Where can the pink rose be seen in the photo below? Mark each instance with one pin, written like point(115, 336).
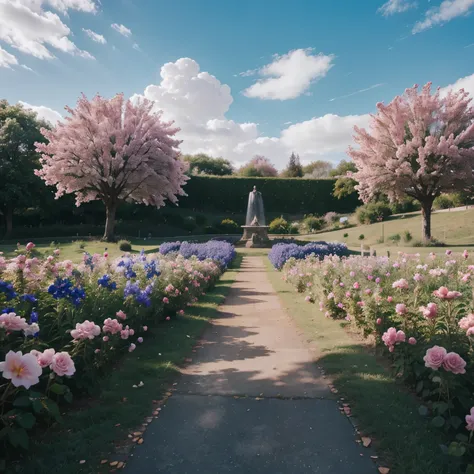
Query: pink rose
point(106, 254)
point(96, 351)
point(105, 338)
point(167, 318)
point(121, 315)
point(140, 340)
point(62, 364)
point(181, 312)
point(454, 363)
point(389, 337)
point(449, 252)
point(377, 280)
point(402, 284)
point(145, 328)
point(22, 369)
point(379, 321)
point(470, 420)
point(412, 341)
point(401, 308)
point(430, 311)
point(132, 347)
point(86, 330)
point(389, 299)
point(356, 286)
point(11, 322)
point(112, 326)
point(444, 294)
point(400, 336)
point(30, 246)
point(44, 358)
point(166, 300)
point(466, 322)
point(434, 357)
point(465, 254)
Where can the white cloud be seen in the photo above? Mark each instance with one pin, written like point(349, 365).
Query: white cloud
point(136, 47)
point(88, 6)
point(94, 36)
point(447, 11)
point(466, 83)
point(290, 75)
point(248, 73)
point(198, 103)
point(123, 30)
point(6, 59)
point(356, 92)
point(27, 68)
point(43, 112)
point(29, 29)
point(396, 6)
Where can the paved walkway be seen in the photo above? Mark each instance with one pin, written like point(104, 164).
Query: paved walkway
point(252, 400)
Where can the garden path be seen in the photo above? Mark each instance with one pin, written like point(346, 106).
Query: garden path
point(252, 400)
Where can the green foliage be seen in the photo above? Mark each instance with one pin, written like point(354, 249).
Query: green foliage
point(125, 245)
point(280, 195)
point(317, 169)
point(361, 237)
point(207, 165)
point(279, 226)
point(395, 238)
point(429, 243)
point(228, 226)
point(447, 201)
point(373, 212)
point(294, 168)
point(294, 229)
point(346, 235)
point(312, 223)
point(407, 236)
point(189, 223)
point(201, 220)
point(344, 187)
point(343, 168)
point(407, 205)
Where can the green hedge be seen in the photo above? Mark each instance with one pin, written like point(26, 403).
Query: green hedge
point(286, 195)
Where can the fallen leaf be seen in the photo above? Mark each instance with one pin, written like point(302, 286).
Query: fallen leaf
point(134, 440)
point(120, 465)
point(347, 411)
point(104, 461)
point(140, 441)
point(149, 420)
point(374, 457)
point(137, 433)
point(168, 394)
point(384, 470)
point(156, 412)
point(114, 463)
point(366, 441)
point(82, 461)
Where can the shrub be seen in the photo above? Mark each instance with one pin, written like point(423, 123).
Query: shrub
point(407, 236)
point(228, 226)
point(189, 223)
point(279, 226)
point(210, 229)
point(372, 212)
point(125, 245)
point(407, 205)
point(429, 243)
point(346, 235)
point(312, 223)
point(395, 238)
point(294, 229)
point(330, 217)
point(82, 245)
point(361, 237)
point(447, 201)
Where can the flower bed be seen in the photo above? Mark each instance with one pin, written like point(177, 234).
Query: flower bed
point(63, 325)
point(220, 251)
point(280, 253)
point(420, 313)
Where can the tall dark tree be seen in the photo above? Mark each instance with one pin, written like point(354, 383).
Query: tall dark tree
point(19, 130)
point(205, 164)
point(294, 168)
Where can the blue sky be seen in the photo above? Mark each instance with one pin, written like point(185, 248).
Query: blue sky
point(295, 55)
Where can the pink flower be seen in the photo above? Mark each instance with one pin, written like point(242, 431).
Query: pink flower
point(96, 351)
point(167, 318)
point(387, 274)
point(348, 294)
point(454, 363)
point(106, 254)
point(309, 284)
point(370, 277)
point(470, 332)
point(307, 299)
point(186, 289)
point(430, 311)
point(389, 299)
point(401, 308)
point(125, 333)
point(402, 284)
point(379, 321)
point(145, 328)
point(368, 291)
point(166, 300)
point(466, 322)
point(140, 340)
point(377, 280)
point(389, 337)
point(57, 252)
point(401, 336)
point(418, 277)
point(181, 312)
point(356, 286)
point(444, 294)
point(105, 338)
point(132, 347)
point(44, 358)
point(412, 341)
point(341, 284)
point(434, 357)
point(86, 330)
point(121, 315)
point(360, 303)
point(22, 370)
point(470, 420)
point(112, 326)
point(30, 246)
point(465, 277)
point(449, 252)
point(62, 364)
point(465, 254)
point(12, 322)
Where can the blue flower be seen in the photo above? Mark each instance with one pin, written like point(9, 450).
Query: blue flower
point(29, 298)
point(34, 317)
point(7, 289)
point(8, 309)
point(105, 282)
point(63, 288)
point(151, 270)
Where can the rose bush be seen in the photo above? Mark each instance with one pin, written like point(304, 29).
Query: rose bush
point(63, 325)
point(419, 312)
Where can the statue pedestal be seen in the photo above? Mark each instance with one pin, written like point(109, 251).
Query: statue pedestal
point(255, 236)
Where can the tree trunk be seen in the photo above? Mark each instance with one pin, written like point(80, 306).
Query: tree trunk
point(8, 213)
point(426, 207)
point(109, 235)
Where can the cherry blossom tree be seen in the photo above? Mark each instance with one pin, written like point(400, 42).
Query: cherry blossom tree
point(113, 150)
point(420, 144)
point(259, 166)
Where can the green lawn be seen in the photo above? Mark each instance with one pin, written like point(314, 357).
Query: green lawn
point(98, 428)
point(385, 410)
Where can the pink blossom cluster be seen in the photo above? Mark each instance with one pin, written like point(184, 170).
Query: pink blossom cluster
point(86, 330)
point(438, 356)
point(392, 337)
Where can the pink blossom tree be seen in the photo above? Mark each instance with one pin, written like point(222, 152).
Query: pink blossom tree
point(420, 144)
point(259, 166)
point(113, 151)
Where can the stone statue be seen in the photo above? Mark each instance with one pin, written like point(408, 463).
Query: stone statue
point(255, 212)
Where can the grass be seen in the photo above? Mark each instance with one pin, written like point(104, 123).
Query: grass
point(93, 432)
point(385, 409)
point(455, 228)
